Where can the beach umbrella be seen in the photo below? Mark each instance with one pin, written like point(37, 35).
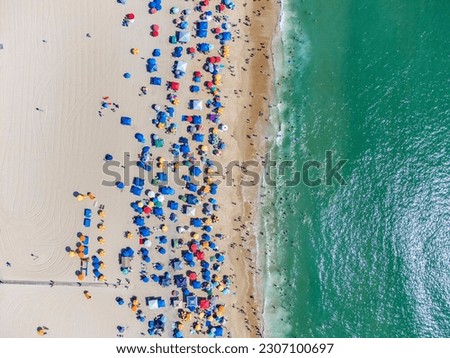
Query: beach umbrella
point(135, 51)
point(140, 137)
point(144, 279)
point(159, 266)
point(146, 258)
point(108, 157)
point(155, 27)
point(162, 250)
point(192, 276)
point(120, 185)
point(81, 277)
point(164, 228)
point(130, 16)
point(127, 75)
point(155, 33)
point(147, 243)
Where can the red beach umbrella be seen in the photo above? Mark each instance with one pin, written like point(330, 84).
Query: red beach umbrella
point(147, 210)
point(206, 2)
point(221, 7)
point(212, 60)
point(130, 16)
point(191, 50)
point(217, 30)
point(209, 84)
point(192, 276)
point(197, 74)
point(200, 255)
point(204, 304)
point(194, 249)
point(152, 10)
point(155, 33)
point(189, 119)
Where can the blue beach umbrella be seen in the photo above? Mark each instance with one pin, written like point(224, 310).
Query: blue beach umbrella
point(127, 75)
point(140, 137)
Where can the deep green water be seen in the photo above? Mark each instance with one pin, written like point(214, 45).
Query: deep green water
point(369, 80)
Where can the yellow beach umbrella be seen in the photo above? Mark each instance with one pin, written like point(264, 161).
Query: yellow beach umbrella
point(164, 228)
point(101, 252)
point(72, 253)
point(82, 237)
point(197, 327)
point(141, 204)
point(101, 213)
point(135, 51)
point(129, 235)
point(134, 308)
point(80, 197)
point(101, 240)
point(81, 277)
point(80, 255)
point(102, 265)
point(196, 236)
point(201, 315)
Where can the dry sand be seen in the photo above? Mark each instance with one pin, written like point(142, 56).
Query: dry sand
point(49, 63)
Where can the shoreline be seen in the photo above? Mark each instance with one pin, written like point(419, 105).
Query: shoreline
point(258, 82)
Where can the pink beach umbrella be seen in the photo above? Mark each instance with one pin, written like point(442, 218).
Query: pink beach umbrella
point(155, 27)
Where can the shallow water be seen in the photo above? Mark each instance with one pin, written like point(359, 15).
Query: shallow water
point(369, 81)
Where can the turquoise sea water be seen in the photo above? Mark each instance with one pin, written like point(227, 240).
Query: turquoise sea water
point(369, 80)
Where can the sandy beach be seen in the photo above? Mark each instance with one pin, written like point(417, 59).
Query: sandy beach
point(61, 62)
